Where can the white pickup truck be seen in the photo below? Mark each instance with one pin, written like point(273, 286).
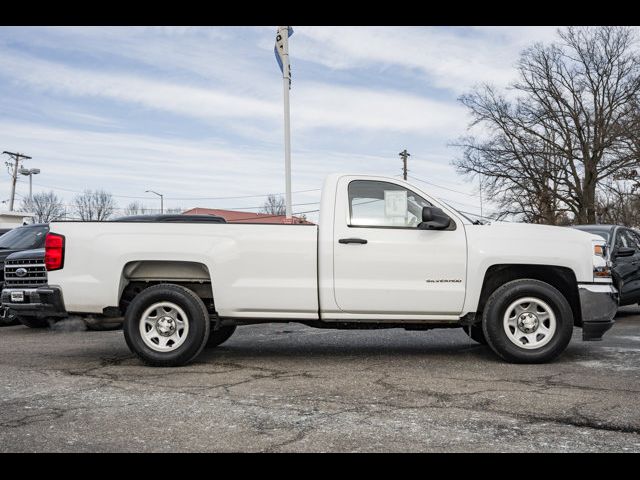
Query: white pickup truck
point(385, 255)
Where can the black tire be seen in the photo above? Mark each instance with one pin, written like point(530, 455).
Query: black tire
point(8, 317)
point(219, 336)
point(496, 307)
point(198, 322)
point(34, 322)
point(475, 333)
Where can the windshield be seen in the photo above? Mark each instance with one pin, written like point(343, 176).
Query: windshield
point(24, 238)
point(601, 233)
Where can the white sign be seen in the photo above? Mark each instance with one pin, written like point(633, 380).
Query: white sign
point(395, 203)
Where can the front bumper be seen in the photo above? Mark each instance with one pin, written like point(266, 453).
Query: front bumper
point(598, 304)
point(37, 302)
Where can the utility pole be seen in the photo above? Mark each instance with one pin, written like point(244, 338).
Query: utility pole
point(16, 157)
point(404, 154)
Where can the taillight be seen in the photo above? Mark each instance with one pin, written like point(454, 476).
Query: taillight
point(54, 251)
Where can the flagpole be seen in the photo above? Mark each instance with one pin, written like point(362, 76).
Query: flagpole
point(286, 82)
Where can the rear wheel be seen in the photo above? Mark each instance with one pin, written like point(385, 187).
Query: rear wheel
point(527, 321)
point(34, 322)
point(166, 325)
point(221, 335)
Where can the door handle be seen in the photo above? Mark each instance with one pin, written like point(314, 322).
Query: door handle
point(361, 241)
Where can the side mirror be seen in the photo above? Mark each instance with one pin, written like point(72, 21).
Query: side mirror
point(624, 252)
point(433, 218)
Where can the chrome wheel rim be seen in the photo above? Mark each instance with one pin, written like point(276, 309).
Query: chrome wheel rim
point(164, 326)
point(529, 323)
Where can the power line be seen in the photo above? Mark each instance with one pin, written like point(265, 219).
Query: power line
point(455, 201)
point(444, 188)
point(483, 216)
point(180, 198)
point(71, 205)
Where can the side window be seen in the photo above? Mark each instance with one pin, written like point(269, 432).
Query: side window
point(630, 239)
point(384, 204)
point(621, 241)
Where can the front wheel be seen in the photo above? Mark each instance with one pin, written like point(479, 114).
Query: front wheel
point(166, 325)
point(527, 321)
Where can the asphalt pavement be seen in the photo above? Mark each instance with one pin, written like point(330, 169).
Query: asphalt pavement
point(288, 387)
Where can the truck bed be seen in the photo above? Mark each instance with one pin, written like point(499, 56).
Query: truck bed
point(256, 271)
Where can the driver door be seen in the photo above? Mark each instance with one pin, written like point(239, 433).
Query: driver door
point(384, 264)
point(627, 269)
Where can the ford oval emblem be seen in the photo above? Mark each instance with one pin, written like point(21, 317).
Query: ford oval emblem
point(21, 272)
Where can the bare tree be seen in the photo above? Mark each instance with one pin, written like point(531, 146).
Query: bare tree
point(274, 205)
point(618, 203)
point(136, 208)
point(46, 206)
point(174, 210)
point(522, 182)
point(94, 206)
point(569, 125)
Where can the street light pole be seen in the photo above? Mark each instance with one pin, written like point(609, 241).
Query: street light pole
point(161, 199)
point(30, 172)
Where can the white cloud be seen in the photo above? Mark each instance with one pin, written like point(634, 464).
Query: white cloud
point(152, 93)
point(317, 105)
point(128, 164)
point(451, 58)
point(365, 93)
point(178, 52)
point(361, 108)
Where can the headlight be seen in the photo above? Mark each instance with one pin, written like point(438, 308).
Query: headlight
point(601, 266)
point(601, 272)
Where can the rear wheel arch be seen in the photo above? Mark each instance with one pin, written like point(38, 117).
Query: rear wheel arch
point(138, 275)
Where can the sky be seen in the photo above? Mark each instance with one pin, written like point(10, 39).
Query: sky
point(196, 113)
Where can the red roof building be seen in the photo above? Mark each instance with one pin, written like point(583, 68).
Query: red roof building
point(234, 216)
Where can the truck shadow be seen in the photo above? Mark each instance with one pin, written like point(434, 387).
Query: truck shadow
point(322, 352)
point(626, 312)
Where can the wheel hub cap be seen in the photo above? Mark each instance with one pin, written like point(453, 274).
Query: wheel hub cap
point(528, 322)
point(166, 326)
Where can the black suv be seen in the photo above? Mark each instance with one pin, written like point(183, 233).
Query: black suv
point(623, 250)
point(19, 239)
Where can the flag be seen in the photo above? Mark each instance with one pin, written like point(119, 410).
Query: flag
point(279, 52)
